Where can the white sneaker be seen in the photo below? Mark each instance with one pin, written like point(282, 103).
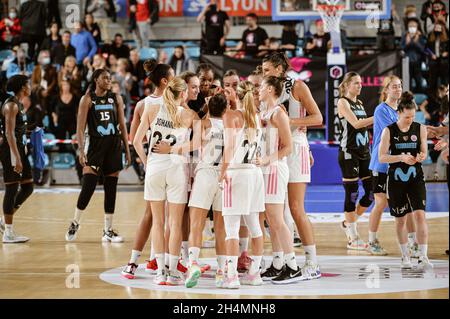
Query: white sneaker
point(414, 250)
point(374, 248)
point(356, 244)
point(220, 278)
point(2, 226)
point(311, 270)
point(12, 238)
point(72, 232)
point(424, 264)
point(175, 278)
point(160, 278)
point(112, 236)
point(345, 229)
point(252, 280)
point(231, 282)
point(406, 263)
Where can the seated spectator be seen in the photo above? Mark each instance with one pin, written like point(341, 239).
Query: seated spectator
point(20, 65)
point(10, 29)
point(432, 106)
point(118, 48)
point(98, 62)
point(178, 61)
point(163, 57)
point(136, 68)
point(111, 63)
point(70, 72)
point(320, 42)
point(44, 80)
point(101, 10)
point(63, 49)
point(84, 43)
point(437, 48)
point(125, 80)
point(253, 39)
point(64, 111)
point(289, 36)
point(52, 41)
point(93, 28)
point(413, 43)
point(386, 32)
point(432, 12)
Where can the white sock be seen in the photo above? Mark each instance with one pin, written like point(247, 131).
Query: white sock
point(221, 262)
point(160, 262)
point(232, 265)
point(310, 253)
point(412, 237)
point(185, 251)
point(243, 245)
point(108, 221)
point(173, 262)
point(77, 216)
point(289, 259)
point(372, 236)
point(404, 250)
point(135, 254)
point(352, 230)
point(167, 259)
point(8, 229)
point(194, 253)
point(152, 253)
point(278, 260)
point(255, 265)
point(423, 250)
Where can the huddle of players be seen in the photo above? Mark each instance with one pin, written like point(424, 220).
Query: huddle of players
point(249, 159)
point(392, 174)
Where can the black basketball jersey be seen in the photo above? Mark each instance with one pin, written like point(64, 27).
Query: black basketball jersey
point(405, 143)
point(102, 117)
point(351, 140)
point(21, 121)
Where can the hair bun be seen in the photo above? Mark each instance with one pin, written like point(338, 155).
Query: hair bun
point(407, 97)
point(150, 66)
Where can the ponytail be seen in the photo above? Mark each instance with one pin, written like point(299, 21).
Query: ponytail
point(171, 96)
point(245, 95)
point(345, 82)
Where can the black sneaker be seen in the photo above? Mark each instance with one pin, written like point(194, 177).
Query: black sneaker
point(270, 273)
point(72, 232)
point(288, 276)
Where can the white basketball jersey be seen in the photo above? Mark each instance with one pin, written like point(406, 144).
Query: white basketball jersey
point(270, 139)
point(247, 150)
point(294, 107)
point(211, 153)
point(150, 100)
point(163, 130)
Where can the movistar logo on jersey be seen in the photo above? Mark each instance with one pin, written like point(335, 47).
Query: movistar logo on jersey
point(109, 130)
point(402, 146)
point(103, 107)
point(400, 175)
point(362, 139)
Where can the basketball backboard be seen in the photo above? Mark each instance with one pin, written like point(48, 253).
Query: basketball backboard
point(354, 9)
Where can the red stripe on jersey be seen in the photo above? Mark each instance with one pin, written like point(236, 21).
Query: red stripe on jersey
point(275, 184)
point(230, 194)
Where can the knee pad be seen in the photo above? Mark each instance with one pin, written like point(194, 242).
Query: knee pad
point(351, 195)
point(110, 187)
point(88, 185)
point(232, 224)
point(9, 198)
point(25, 191)
point(253, 225)
point(368, 197)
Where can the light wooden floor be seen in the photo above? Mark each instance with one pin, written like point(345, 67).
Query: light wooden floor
point(38, 269)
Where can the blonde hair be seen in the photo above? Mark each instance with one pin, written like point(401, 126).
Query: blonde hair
point(345, 82)
point(386, 82)
point(245, 95)
point(171, 95)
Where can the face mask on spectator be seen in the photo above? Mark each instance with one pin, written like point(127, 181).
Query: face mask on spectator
point(12, 15)
point(412, 15)
point(45, 61)
point(412, 30)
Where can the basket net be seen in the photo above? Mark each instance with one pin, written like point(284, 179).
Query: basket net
point(331, 15)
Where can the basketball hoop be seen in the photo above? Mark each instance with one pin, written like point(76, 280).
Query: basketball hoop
point(331, 13)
